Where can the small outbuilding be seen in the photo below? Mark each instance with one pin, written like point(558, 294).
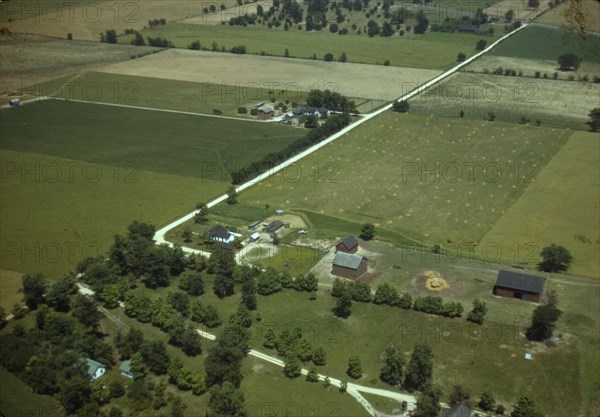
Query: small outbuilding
point(254, 236)
point(14, 102)
point(349, 245)
point(279, 212)
point(348, 265)
point(512, 284)
point(254, 225)
point(125, 369)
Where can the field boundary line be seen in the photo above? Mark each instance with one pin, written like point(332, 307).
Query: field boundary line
point(159, 236)
point(129, 106)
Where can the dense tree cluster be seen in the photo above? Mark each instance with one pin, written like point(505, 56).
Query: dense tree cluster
point(331, 100)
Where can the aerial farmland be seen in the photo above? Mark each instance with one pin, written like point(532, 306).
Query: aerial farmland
point(283, 208)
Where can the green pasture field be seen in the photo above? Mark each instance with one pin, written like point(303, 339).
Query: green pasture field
point(293, 259)
point(48, 226)
point(431, 50)
point(414, 160)
point(10, 285)
point(561, 207)
point(546, 43)
point(556, 103)
point(161, 93)
point(177, 144)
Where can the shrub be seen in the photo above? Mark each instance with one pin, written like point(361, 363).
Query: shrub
point(242, 110)
point(328, 57)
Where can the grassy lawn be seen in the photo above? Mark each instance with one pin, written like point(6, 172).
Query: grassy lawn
point(564, 104)
point(294, 259)
point(163, 93)
point(544, 43)
point(424, 189)
point(17, 399)
point(432, 50)
point(561, 207)
point(168, 143)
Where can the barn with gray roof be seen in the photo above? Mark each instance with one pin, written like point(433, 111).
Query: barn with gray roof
point(348, 265)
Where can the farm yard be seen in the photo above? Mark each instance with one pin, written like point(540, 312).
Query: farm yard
point(431, 50)
point(293, 75)
point(556, 103)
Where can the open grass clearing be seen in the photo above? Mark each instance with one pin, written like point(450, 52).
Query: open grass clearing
point(562, 104)
point(431, 50)
point(170, 94)
point(238, 77)
point(396, 151)
point(30, 59)
point(561, 207)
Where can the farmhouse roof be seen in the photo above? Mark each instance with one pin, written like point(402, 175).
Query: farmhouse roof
point(93, 366)
point(349, 242)
point(520, 281)
point(218, 231)
point(265, 109)
point(253, 224)
point(458, 410)
point(347, 260)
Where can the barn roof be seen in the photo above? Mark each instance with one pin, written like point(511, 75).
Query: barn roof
point(349, 242)
point(458, 410)
point(273, 226)
point(347, 260)
point(520, 281)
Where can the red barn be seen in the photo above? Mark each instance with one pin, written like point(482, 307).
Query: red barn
point(348, 265)
point(519, 285)
point(348, 245)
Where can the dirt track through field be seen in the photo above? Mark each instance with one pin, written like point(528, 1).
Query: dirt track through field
point(354, 80)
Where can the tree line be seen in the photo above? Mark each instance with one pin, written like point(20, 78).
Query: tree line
point(333, 124)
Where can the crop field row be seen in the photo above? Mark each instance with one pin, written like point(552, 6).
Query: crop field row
point(564, 104)
point(289, 78)
point(434, 175)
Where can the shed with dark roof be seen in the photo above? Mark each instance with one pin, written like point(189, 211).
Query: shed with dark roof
point(519, 285)
point(349, 245)
point(348, 265)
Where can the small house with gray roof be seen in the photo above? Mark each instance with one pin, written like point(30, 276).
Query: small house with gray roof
point(349, 245)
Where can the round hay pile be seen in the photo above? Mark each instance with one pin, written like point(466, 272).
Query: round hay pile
point(435, 281)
